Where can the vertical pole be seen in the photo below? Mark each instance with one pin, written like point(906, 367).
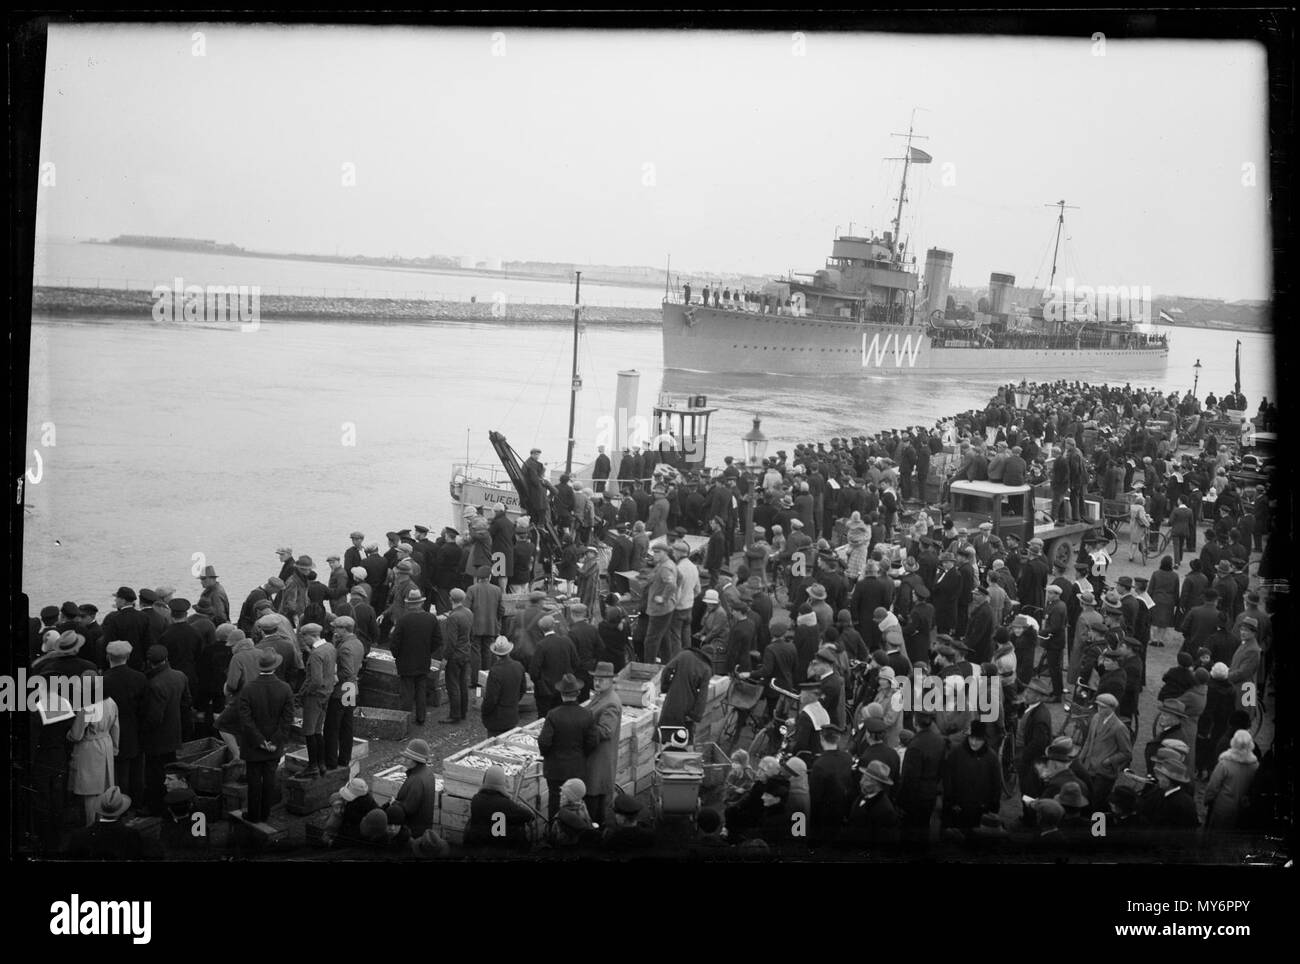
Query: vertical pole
point(749, 509)
point(573, 385)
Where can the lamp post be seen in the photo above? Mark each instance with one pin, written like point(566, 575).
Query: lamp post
point(755, 449)
point(1197, 380)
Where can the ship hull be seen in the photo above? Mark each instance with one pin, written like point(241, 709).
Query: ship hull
point(724, 341)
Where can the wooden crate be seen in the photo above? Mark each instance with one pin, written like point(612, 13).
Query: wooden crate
point(378, 723)
point(191, 751)
point(307, 794)
point(210, 771)
point(455, 822)
point(468, 767)
point(379, 698)
point(637, 684)
point(208, 804)
point(454, 806)
point(234, 796)
point(385, 784)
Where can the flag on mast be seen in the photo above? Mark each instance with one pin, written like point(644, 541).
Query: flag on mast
point(918, 156)
point(1166, 317)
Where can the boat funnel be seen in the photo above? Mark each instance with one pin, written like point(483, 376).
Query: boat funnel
point(938, 269)
point(1000, 287)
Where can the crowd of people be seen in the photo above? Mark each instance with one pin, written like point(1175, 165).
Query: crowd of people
point(852, 581)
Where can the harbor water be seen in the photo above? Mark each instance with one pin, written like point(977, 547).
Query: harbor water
point(164, 448)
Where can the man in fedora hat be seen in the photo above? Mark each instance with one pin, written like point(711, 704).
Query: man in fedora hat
point(1229, 590)
point(872, 820)
point(109, 838)
point(1169, 807)
point(265, 707)
point(568, 737)
point(506, 685)
point(1107, 749)
point(1054, 767)
point(606, 709)
point(418, 793)
point(416, 637)
point(215, 593)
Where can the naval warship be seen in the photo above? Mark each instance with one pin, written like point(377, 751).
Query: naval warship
point(867, 311)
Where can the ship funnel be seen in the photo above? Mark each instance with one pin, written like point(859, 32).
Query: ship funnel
point(938, 269)
point(626, 427)
point(1000, 286)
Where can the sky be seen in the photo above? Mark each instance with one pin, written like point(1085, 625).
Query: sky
point(727, 151)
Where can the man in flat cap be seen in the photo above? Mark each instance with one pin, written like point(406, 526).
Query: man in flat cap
point(1107, 749)
point(268, 590)
point(167, 706)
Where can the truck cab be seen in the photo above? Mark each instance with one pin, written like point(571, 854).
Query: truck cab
point(1009, 507)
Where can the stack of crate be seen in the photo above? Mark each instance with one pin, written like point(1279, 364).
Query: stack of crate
point(715, 709)
point(378, 684)
point(636, 748)
point(462, 777)
point(637, 684)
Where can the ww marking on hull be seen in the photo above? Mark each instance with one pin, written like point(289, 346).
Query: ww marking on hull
point(876, 352)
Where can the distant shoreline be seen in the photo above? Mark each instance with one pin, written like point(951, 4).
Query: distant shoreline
point(139, 306)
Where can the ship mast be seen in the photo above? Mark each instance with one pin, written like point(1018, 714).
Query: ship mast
point(1060, 223)
point(907, 163)
point(576, 383)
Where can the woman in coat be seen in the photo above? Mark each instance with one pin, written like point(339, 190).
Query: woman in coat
point(1230, 782)
point(1163, 589)
point(94, 737)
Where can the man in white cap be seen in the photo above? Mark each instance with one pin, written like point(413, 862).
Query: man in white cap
point(688, 591)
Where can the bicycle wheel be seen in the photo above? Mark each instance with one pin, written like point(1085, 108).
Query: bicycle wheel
point(730, 731)
point(1008, 763)
point(1110, 541)
point(762, 745)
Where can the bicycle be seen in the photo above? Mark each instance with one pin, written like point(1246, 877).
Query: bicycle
point(1079, 710)
point(1009, 748)
point(745, 704)
point(772, 736)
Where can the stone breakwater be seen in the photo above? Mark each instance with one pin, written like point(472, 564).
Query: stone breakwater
point(139, 305)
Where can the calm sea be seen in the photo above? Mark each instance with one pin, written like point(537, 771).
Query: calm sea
point(176, 446)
